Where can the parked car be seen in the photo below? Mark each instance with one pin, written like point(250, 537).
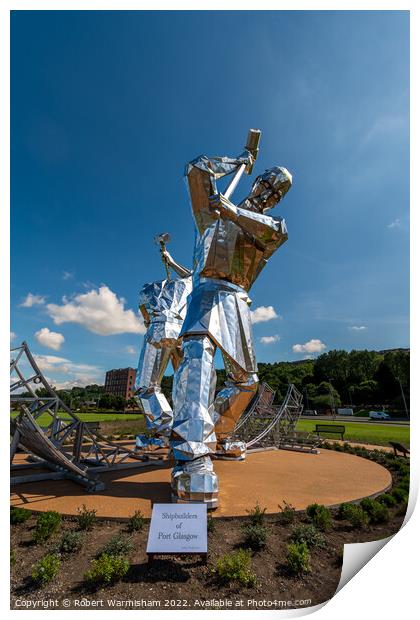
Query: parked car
point(310, 412)
point(379, 415)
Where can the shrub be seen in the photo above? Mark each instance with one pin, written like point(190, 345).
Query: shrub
point(106, 569)
point(320, 516)
point(211, 524)
point(399, 465)
point(19, 515)
point(12, 557)
point(298, 558)
point(71, 542)
point(404, 484)
point(136, 522)
point(47, 524)
point(117, 545)
point(309, 535)
point(86, 518)
point(257, 515)
point(236, 566)
point(46, 569)
point(355, 515)
point(400, 495)
point(287, 513)
point(387, 499)
point(377, 512)
point(342, 509)
point(255, 536)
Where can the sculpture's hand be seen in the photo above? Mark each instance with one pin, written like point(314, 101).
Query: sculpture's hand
point(248, 159)
point(221, 206)
point(215, 202)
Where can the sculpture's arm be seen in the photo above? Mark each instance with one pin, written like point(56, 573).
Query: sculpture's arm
point(145, 315)
point(218, 167)
point(183, 272)
point(267, 232)
point(202, 174)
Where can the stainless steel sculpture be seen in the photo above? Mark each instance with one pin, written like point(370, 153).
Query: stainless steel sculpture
point(163, 306)
point(233, 245)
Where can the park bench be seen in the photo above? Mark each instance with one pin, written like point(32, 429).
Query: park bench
point(337, 429)
point(398, 447)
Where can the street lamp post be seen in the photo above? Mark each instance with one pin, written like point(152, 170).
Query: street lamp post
point(332, 399)
point(403, 397)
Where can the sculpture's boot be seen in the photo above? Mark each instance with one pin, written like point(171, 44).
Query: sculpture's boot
point(195, 481)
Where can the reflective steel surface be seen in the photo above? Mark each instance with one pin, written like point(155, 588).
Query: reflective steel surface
point(163, 305)
point(233, 244)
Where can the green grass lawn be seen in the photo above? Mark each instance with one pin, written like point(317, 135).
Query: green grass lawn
point(45, 418)
point(365, 432)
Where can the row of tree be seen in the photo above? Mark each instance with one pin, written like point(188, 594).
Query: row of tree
point(355, 379)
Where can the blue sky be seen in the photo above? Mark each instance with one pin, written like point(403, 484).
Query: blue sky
point(107, 107)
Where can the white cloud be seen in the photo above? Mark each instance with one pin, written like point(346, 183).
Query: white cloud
point(263, 314)
point(12, 336)
point(32, 300)
point(62, 365)
point(269, 339)
point(52, 340)
point(131, 350)
point(312, 346)
point(66, 275)
point(395, 224)
point(81, 381)
point(357, 328)
point(100, 311)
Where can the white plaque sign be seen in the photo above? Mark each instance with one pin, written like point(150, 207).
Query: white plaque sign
point(178, 528)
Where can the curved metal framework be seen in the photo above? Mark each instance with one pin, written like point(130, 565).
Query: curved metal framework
point(266, 425)
point(65, 444)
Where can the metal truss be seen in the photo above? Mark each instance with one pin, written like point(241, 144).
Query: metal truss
point(265, 425)
point(65, 444)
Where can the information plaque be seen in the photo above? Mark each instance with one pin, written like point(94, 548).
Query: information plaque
point(178, 529)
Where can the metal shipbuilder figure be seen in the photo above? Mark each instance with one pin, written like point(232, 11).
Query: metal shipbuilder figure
point(233, 245)
point(163, 305)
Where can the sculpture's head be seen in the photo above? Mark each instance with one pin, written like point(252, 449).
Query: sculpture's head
point(269, 188)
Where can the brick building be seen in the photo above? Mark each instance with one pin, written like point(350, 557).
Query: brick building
point(120, 382)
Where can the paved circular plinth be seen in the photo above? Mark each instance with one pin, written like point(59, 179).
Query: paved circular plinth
point(269, 477)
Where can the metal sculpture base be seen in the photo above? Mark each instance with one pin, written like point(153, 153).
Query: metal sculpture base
point(195, 481)
point(211, 504)
point(229, 450)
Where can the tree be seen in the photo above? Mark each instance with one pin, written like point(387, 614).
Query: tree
point(332, 366)
point(399, 363)
point(389, 387)
point(326, 396)
point(366, 393)
point(363, 365)
point(131, 403)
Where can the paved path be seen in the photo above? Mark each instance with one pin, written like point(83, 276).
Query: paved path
point(270, 477)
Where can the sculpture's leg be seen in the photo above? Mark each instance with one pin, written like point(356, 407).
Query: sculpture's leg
point(176, 355)
point(152, 365)
point(229, 405)
point(193, 438)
